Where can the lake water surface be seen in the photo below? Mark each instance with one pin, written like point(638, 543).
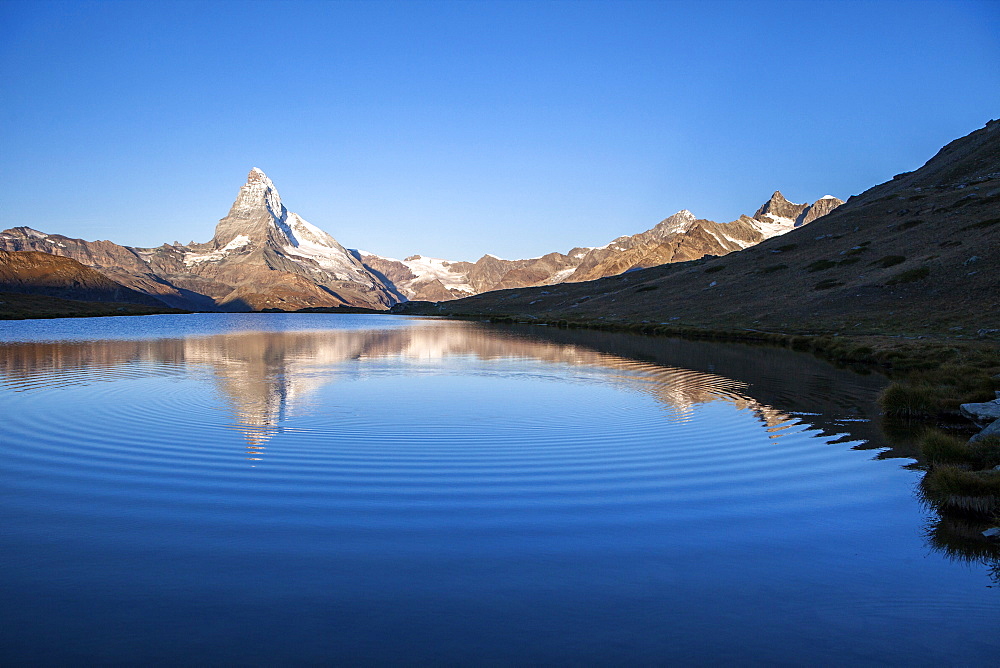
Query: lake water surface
point(275, 489)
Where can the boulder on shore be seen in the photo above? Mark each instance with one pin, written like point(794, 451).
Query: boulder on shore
point(992, 430)
point(985, 412)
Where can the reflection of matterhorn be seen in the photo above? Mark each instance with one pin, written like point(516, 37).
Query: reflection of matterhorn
point(266, 377)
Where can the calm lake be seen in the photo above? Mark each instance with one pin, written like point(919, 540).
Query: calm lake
point(247, 489)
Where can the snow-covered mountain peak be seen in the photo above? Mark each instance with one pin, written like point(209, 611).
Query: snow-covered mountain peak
point(260, 191)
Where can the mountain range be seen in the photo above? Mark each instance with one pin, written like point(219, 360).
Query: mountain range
point(918, 254)
point(263, 256)
point(682, 236)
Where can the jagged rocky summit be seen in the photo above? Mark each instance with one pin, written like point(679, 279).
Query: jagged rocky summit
point(263, 256)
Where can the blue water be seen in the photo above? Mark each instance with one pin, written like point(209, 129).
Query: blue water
point(259, 489)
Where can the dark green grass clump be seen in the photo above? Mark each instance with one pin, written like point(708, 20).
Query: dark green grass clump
point(982, 224)
point(909, 401)
point(938, 448)
point(772, 268)
point(910, 276)
point(935, 384)
point(827, 284)
point(958, 489)
point(890, 261)
point(712, 270)
point(820, 265)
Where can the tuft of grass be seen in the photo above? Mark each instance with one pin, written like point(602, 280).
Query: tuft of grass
point(909, 276)
point(861, 354)
point(982, 224)
point(647, 288)
point(715, 268)
point(787, 247)
point(938, 448)
point(827, 284)
point(908, 401)
point(801, 343)
point(820, 265)
point(772, 268)
point(890, 261)
point(956, 489)
point(910, 223)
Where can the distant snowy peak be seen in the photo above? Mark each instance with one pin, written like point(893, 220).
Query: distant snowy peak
point(419, 276)
point(679, 222)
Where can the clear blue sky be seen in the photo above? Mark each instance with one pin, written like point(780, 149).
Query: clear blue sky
point(453, 129)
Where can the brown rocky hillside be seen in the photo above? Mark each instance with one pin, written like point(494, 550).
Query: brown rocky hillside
point(36, 273)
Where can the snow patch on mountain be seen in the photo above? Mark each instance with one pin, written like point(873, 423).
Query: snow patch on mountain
point(307, 241)
point(678, 223)
point(774, 225)
point(431, 268)
point(562, 275)
point(238, 242)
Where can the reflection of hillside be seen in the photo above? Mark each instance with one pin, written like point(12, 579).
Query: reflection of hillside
point(781, 382)
point(268, 376)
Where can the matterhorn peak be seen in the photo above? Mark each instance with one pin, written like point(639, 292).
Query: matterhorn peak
point(258, 177)
point(259, 189)
point(257, 214)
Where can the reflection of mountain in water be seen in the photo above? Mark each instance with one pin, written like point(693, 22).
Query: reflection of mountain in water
point(269, 376)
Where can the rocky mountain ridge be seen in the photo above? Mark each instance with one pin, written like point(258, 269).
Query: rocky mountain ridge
point(263, 256)
point(678, 238)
